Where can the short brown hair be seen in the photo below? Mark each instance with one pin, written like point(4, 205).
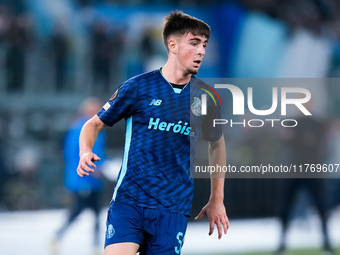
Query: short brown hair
point(179, 23)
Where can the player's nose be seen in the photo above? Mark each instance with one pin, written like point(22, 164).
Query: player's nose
point(201, 51)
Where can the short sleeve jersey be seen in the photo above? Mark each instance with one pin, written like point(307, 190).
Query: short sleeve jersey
point(162, 126)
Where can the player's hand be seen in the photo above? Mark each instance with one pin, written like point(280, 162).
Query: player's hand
point(217, 215)
point(85, 164)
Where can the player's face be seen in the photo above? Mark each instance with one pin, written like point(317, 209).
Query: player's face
point(191, 50)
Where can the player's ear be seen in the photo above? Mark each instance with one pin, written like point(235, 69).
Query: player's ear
point(173, 45)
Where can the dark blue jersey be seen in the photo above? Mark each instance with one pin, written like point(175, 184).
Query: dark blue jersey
point(162, 125)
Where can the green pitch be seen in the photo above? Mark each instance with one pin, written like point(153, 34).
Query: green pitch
point(288, 252)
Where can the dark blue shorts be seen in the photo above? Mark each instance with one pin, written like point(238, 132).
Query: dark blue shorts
point(156, 231)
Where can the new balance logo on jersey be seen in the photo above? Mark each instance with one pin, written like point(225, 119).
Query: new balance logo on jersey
point(156, 102)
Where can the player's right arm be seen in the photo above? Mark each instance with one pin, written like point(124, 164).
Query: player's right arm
point(87, 138)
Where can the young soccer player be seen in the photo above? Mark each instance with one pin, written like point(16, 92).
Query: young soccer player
point(153, 196)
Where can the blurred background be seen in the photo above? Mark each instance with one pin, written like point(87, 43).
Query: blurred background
point(54, 54)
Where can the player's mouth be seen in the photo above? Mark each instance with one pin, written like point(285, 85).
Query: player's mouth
point(197, 62)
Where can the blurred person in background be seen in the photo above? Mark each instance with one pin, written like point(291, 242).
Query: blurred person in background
point(85, 191)
point(150, 55)
point(18, 39)
point(60, 49)
point(106, 45)
point(333, 155)
point(4, 21)
point(3, 173)
point(306, 146)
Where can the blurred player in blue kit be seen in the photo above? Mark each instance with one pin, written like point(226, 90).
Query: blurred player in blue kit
point(153, 196)
point(85, 192)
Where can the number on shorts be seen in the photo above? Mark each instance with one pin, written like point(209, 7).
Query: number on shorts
point(180, 237)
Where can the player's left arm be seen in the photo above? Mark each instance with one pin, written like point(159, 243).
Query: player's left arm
point(215, 209)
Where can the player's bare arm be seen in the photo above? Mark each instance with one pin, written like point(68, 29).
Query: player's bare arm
point(215, 209)
point(87, 138)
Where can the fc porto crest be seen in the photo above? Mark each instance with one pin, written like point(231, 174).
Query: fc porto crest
point(196, 107)
point(110, 231)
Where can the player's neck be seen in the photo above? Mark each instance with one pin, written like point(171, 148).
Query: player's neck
point(175, 75)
